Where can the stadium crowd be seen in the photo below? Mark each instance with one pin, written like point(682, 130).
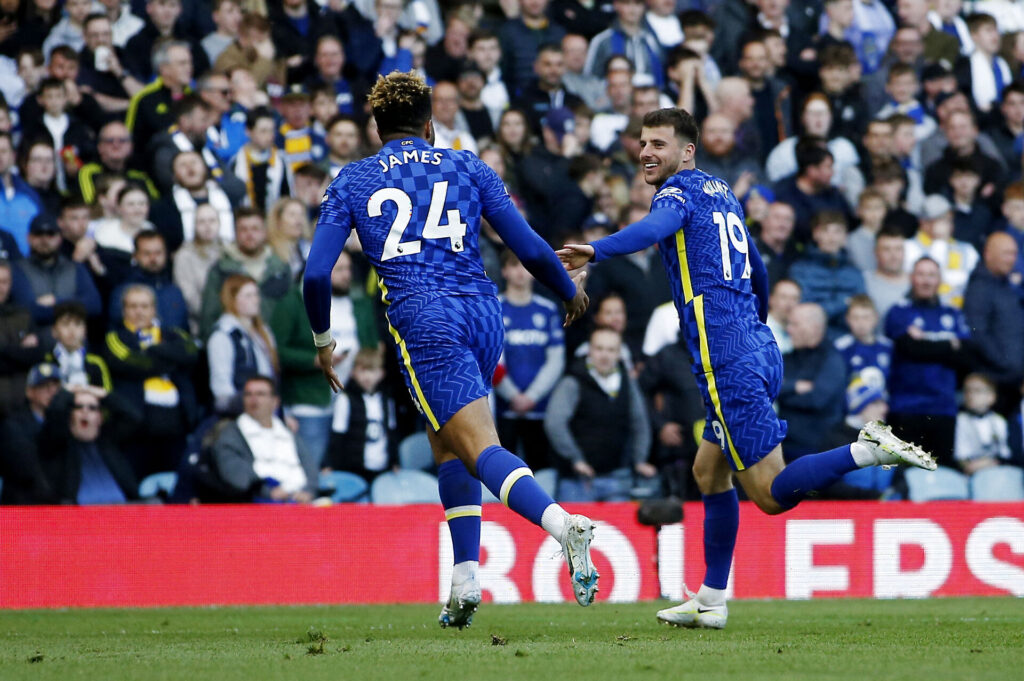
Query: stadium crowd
point(163, 162)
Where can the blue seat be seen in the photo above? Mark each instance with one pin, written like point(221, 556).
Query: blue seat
point(999, 483)
point(404, 487)
point(158, 485)
point(944, 483)
point(415, 454)
point(342, 487)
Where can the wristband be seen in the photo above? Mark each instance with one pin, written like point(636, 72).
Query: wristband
point(323, 339)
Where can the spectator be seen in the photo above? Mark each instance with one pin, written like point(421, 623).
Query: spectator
point(290, 234)
point(736, 103)
point(1009, 126)
point(521, 38)
point(20, 469)
point(584, 19)
point(446, 57)
point(687, 83)
point(630, 36)
point(46, 277)
point(38, 166)
point(102, 70)
point(352, 318)
point(485, 51)
point(839, 83)
point(310, 184)
point(114, 149)
point(588, 88)
point(193, 261)
point(259, 163)
point(904, 149)
point(946, 17)
point(64, 132)
point(810, 191)
point(20, 345)
point(865, 402)
point(150, 360)
point(149, 268)
point(984, 74)
point(69, 30)
point(343, 144)
point(241, 346)
point(888, 283)
point(162, 25)
point(115, 238)
point(927, 338)
point(329, 60)
point(860, 245)
point(867, 354)
point(227, 16)
point(962, 133)
point(972, 218)
point(890, 180)
point(75, 364)
point(451, 130)
point(772, 101)
point(534, 358)
point(1013, 224)
point(364, 439)
point(785, 296)
point(777, 249)
point(815, 122)
point(607, 125)
point(946, 106)
point(935, 239)
point(81, 448)
point(939, 46)
point(982, 435)
point(295, 136)
point(597, 408)
point(902, 87)
point(149, 112)
point(546, 91)
point(225, 136)
point(610, 313)
point(812, 396)
point(257, 457)
point(993, 314)
point(824, 273)
point(192, 119)
point(19, 203)
point(175, 214)
point(718, 155)
point(254, 51)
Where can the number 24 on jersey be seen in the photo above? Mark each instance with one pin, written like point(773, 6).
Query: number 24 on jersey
point(394, 247)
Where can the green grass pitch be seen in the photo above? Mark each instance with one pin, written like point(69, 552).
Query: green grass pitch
point(928, 640)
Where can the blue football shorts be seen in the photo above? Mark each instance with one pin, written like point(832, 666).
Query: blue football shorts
point(448, 348)
point(738, 397)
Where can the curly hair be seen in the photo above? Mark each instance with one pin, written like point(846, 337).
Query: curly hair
point(400, 103)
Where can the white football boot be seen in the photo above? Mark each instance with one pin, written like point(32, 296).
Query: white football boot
point(695, 615)
point(576, 538)
point(462, 603)
point(890, 450)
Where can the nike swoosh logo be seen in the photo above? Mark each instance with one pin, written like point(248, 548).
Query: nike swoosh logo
point(701, 611)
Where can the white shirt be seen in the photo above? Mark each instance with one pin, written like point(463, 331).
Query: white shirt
point(662, 329)
point(343, 331)
point(454, 138)
point(126, 26)
point(605, 129)
point(667, 30)
point(273, 452)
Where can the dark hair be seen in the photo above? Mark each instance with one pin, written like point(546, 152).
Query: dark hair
point(148, 235)
point(480, 34)
point(694, 17)
point(890, 231)
point(262, 379)
point(311, 171)
point(50, 83)
point(342, 118)
point(810, 155)
point(979, 19)
point(130, 187)
point(682, 122)
point(897, 70)
point(400, 103)
point(256, 114)
point(70, 308)
point(680, 53)
point(828, 217)
point(65, 52)
point(243, 212)
point(549, 47)
point(93, 16)
point(1016, 87)
point(73, 201)
point(189, 103)
point(584, 164)
point(837, 54)
point(887, 170)
point(964, 165)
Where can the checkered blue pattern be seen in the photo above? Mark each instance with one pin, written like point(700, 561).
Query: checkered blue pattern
point(746, 387)
point(453, 344)
point(415, 167)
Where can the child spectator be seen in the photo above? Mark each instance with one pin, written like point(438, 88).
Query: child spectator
point(364, 439)
point(76, 365)
point(866, 353)
point(984, 74)
point(981, 434)
point(972, 218)
point(902, 87)
point(259, 164)
point(534, 357)
point(860, 245)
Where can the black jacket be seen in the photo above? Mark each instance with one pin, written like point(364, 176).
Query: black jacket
point(993, 313)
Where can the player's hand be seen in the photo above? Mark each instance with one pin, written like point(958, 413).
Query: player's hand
point(575, 308)
point(324, 354)
point(575, 256)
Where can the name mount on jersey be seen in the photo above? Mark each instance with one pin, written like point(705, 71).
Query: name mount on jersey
point(410, 156)
point(712, 187)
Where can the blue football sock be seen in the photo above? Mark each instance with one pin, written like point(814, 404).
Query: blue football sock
point(509, 479)
point(721, 522)
point(811, 473)
point(461, 497)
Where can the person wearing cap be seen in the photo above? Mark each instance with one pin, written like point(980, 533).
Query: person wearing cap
point(956, 259)
point(936, 80)
point(546, 91)
point(470, 85)
point(295, 135)
point(46, 277)
point(24, 481)
point(866, 401)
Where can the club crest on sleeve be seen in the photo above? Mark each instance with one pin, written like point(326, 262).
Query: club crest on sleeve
point(671, 193)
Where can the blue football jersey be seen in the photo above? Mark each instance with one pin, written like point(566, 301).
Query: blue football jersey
point(529, 331)
point(417, 212)
point(709, 268)
point(876, 356)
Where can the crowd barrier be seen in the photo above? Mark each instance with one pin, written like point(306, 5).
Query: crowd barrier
point(140, 556)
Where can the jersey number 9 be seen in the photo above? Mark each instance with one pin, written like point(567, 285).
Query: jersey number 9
point(433, 229)
point(731, 229)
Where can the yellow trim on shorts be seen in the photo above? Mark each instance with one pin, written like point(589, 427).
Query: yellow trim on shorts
point(705, 358)
point(400, 342)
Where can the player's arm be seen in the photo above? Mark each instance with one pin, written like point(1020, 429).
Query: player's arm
point(659, 223)
point(332, 230)
point(758, 280)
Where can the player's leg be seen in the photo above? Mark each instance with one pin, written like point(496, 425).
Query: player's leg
point(471, 436)
point(707, 607)
point(461, 498)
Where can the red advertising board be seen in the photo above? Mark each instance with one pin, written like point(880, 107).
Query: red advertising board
point(166, 555)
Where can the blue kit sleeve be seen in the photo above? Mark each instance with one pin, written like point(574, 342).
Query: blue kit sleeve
point(332, 230)
point(532, 251)
point(660, 223)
